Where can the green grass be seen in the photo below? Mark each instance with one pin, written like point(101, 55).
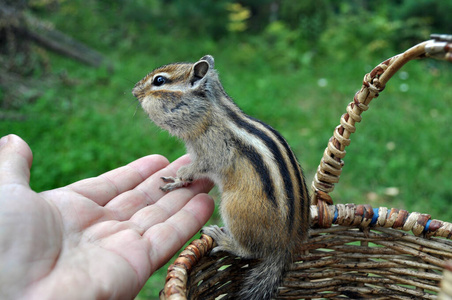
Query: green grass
point(94, 125)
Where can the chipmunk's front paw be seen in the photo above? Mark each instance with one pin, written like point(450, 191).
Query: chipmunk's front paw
point(173, 183)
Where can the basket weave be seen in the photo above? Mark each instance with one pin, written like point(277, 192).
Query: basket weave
point(354, 251)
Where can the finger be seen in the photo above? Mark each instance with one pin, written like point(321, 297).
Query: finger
point(168, 237)
point(147, 193)
point(169, 204)
point(15, 160)
point(105, 187)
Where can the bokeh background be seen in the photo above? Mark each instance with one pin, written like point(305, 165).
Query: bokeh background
point(68, 67)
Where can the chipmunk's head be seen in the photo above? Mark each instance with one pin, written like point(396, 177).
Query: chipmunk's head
point(174, 96)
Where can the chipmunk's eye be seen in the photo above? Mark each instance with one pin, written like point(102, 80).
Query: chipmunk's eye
point(159, 80)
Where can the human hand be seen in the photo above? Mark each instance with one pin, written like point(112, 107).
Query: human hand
point(98, 238)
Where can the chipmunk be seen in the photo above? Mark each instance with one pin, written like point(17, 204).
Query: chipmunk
point(264, 200)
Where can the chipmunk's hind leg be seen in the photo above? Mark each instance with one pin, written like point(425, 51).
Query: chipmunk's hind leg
point(225, 241)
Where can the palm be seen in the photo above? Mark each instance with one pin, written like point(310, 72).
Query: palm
point(100, 237)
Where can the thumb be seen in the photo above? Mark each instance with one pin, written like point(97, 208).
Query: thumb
point(15, 160)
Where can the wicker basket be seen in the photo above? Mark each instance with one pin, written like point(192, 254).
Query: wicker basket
point(354, 251)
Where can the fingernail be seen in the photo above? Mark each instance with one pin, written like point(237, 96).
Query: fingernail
point(4, 140)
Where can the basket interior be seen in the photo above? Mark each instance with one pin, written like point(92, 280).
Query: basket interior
point(339, 262)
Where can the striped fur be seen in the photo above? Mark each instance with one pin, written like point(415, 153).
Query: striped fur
point(265, 202)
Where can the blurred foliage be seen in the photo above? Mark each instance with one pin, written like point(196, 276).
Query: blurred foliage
point(335, 27)
point(237, 17)
point(293, 64)
point(296, 31)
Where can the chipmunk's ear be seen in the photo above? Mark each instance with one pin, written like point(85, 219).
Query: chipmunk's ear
point(209, 59)
point(201, 67)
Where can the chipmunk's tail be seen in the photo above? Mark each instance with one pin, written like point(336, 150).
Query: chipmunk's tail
point(262, 282)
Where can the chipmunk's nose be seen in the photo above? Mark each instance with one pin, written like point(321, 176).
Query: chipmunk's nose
point(136, 92)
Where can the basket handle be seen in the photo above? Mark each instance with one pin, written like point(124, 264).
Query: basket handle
point(330, 168)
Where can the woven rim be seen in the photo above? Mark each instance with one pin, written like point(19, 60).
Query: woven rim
point(406, 266)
